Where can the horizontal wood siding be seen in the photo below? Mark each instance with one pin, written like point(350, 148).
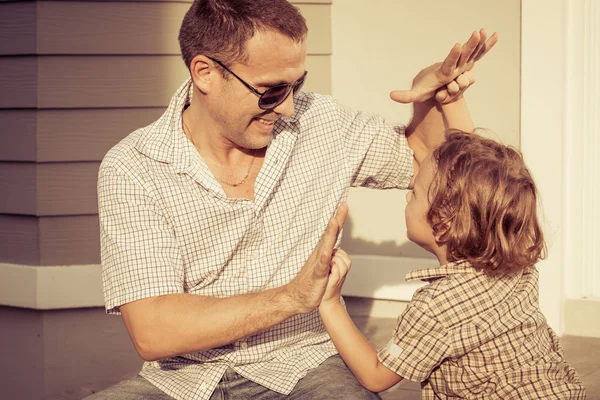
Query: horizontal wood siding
point(58, 135)
point(69, 240)
point(48, 188)
point(75, 78)
point(109, 81)
point(18, 135)
point(117, 28)
point(19, 239)
point(18, 188)
point(49, 240)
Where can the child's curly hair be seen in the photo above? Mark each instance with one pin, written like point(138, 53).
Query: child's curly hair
point(483, 205)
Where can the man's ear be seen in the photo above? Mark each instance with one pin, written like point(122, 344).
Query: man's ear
point(203, 72)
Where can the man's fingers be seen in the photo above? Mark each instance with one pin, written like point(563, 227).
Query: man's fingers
point(482, 40)
point(451, 60)
point(325, 247)
point(341, 214)
point(491, 42)
point(404, 96)
point(468, 48)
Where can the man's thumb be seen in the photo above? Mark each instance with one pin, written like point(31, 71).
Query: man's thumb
point(403, 96)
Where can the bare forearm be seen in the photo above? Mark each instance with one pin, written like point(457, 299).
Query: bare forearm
point(426, 130)
point(177, 324)
point(355, 349)
point(456, 116)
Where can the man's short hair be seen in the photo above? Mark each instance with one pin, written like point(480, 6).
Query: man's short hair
point(484, 205)
point(221, 28)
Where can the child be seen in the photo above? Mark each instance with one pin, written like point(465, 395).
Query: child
point(476, 330)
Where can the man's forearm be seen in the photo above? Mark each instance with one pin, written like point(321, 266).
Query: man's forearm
point(426, 130)
point(177, 324)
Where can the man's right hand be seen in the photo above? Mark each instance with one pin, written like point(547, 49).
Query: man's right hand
point(308, 287)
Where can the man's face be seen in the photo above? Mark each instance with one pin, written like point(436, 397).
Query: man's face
point(273, 59)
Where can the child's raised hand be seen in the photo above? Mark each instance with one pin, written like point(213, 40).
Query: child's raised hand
point(340, 265)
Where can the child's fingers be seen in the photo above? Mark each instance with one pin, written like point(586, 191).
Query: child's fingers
point(453, 88)
point(345, 258)
point(334, 275)
point(462, 81)
point(441, 96)
point(342, 266)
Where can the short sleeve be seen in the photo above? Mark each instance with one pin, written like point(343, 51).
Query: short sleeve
point(418, 345)
point(378, 151)
point(139, 252)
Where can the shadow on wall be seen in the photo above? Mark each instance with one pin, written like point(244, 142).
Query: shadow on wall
point(388, 248)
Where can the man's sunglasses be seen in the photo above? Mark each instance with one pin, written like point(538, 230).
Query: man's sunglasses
point(273, 96)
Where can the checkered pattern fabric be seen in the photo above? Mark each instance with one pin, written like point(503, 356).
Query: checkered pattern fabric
point(168, 227)
point(469, 336)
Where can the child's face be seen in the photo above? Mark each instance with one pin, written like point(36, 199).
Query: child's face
point(418, 229)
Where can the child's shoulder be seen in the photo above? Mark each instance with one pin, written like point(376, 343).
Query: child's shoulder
point(456, 293)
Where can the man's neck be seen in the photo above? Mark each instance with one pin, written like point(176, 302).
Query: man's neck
point(207, 138)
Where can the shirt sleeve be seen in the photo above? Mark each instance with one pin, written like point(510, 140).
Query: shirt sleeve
point(139, 253)
point(378, 151)
point(417, 346)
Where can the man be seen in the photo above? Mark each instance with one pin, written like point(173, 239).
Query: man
point(216, 220)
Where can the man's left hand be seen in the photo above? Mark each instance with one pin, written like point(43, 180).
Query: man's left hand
point(452, 76)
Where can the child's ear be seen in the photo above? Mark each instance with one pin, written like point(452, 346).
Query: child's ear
point(439, 231)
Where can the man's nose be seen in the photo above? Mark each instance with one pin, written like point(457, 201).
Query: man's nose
point(287, 107)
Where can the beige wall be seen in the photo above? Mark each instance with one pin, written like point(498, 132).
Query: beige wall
point(379, 46)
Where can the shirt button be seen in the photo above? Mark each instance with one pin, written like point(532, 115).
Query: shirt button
point(255, 254)
point(244, 345)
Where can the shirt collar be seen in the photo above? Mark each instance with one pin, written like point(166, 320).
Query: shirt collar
point(164, 140)
point(429, 274)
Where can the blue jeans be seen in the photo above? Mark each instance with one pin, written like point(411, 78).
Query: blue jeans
point(331, 380)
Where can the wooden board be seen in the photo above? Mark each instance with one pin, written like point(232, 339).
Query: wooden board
point(109, 81)
point(48, 27)
point(67, 134)
point(44, 189)
point(71, 240)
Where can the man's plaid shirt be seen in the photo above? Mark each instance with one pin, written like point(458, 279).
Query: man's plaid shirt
point(167, 227)
point(469, 336)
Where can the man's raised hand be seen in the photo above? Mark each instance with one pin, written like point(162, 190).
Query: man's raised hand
point(450, 76)
point(307, 288)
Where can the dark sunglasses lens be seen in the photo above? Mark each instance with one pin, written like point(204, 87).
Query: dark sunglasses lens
point(277, 94)
point(298, 85)
point(274, 97)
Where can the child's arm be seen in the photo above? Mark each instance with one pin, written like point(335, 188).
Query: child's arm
point(456, 115)
point(353, 347)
